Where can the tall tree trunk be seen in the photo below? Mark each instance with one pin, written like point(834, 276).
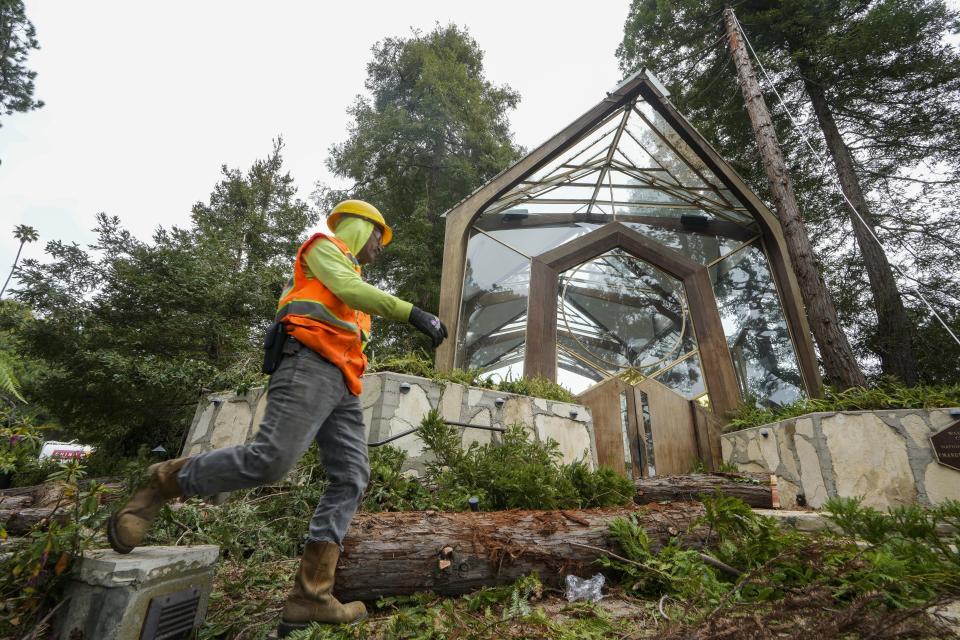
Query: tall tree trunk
point(13, 268)
point(894, 329)
point(838, 359)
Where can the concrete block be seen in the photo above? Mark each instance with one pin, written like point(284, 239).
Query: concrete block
point(110, 594)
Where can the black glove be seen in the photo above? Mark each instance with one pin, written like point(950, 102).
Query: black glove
point(428, 324)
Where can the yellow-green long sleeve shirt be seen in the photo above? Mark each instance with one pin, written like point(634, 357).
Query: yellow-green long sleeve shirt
point(327, 264)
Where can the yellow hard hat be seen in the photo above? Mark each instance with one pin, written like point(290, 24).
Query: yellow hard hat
point(360, 209)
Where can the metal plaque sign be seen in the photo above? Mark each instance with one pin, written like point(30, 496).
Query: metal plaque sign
point(946, 446)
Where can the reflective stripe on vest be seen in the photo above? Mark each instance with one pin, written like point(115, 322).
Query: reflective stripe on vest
point(315, 311)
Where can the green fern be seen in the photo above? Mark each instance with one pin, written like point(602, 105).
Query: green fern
point(9, 385)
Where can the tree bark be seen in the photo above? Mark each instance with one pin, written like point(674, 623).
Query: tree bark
point(756, 489)
point(838, 359)
point(454, 553)
point(894, 329)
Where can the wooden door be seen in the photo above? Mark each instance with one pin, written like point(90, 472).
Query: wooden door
point(616, 426)
point(666, 419)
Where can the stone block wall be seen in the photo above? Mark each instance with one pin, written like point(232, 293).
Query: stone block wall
point(393, 403)
point(885, 457)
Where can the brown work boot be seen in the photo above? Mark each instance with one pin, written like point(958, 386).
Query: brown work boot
point(128, 526)
point(312, 597)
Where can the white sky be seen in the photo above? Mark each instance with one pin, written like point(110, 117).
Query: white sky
point(145, 102)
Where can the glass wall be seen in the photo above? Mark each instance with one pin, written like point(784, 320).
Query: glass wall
point(755, 328)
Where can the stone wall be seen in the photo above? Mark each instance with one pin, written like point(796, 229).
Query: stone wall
point(393, 403)
point(884, 457)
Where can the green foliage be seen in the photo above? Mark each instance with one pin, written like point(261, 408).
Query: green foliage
point(16, 81)
point(873, 563)
point(670, 569)
point(34, 568)
point(20, 442)
point(390, 489)
point(146, 326)
point(9, 385)
point(537, 387)
point(431, 130)
point(516, 473)
point(888, 393)
point(418, 363)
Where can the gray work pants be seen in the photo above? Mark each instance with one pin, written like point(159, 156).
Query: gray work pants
point(307, 400)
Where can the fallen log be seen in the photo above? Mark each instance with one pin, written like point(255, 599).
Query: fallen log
point(756, 489)
point(24, 508)
point(455, 553)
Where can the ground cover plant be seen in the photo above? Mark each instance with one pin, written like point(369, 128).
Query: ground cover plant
point(887, 393)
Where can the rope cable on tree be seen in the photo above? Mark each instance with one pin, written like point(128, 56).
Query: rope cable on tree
point(823, 163)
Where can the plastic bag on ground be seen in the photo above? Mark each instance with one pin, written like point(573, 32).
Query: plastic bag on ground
point(589, 589)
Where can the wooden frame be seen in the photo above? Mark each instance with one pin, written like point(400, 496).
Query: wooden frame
point(716, 363)
point(461, 217)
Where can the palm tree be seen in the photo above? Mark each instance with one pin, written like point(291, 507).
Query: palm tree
point(24, 233)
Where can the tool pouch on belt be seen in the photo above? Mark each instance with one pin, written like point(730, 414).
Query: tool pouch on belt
point(273, 342)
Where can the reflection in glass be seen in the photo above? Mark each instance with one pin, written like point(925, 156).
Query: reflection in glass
point(494, 308)
point(532, 241)
point(684, 377)
point(755, 327)
point(617, 313)
point(686, 239)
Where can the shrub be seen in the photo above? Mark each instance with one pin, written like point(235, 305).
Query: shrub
point(886, 394)
point(420, 364)
point(515, 473)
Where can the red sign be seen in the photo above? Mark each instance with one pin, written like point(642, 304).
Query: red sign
point(67, 453)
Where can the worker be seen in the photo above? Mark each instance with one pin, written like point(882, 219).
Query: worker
point(312, 396)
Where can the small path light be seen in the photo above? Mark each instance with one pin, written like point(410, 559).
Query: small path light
point(159, 451)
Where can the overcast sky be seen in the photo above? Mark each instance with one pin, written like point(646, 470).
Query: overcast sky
point(145, 102)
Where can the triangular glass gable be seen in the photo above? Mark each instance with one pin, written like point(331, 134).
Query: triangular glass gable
point(629, 167)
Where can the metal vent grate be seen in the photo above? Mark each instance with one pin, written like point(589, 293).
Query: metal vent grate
point(172, 616)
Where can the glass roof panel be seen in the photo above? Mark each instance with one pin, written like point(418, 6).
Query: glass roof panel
point(699, 246)
point(589, 147)
point(532, 241)
point(667, 155)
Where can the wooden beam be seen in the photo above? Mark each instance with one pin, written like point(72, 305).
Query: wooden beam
point(541, 348)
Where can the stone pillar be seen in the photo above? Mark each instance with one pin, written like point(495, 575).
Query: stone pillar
point(112, 596)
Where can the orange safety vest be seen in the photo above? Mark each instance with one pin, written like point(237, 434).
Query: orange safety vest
point(324, 323)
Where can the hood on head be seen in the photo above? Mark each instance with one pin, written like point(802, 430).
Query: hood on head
point(354, 232)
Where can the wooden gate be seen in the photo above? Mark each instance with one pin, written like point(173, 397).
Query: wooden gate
point(647, 429)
